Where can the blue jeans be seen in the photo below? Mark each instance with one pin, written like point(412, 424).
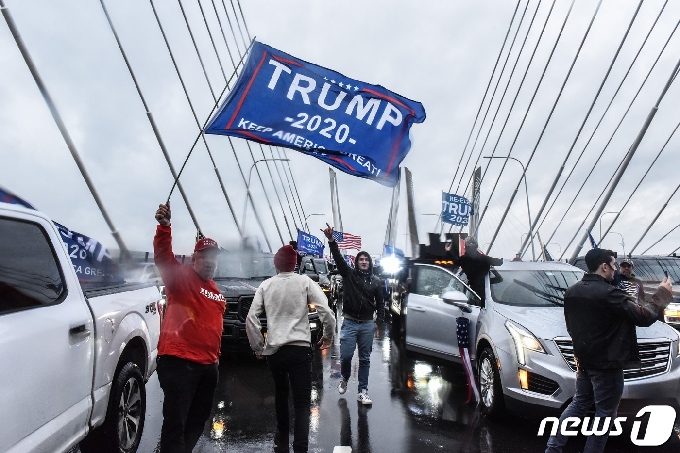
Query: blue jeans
point(353, 334)
point(602, 387)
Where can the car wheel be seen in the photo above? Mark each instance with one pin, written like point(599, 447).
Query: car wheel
point(490, 389)
point(124, 423)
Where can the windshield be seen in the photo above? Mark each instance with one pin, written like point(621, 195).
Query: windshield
point(321, 267)
point(245, 264)
point(653, 269)
point(533, 288)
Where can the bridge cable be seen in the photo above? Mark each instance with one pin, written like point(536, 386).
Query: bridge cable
point(526, 111)
point(627, 159)
point(512, 105)
point(149, 115)
point(638, 185)
point(531, 234)
point(493, 95)
point(599, 122)
point(481, 104)
point(193, 111)
point(200, 59)
point(271, 150)
point(505, 91)
point(224, 37)
point(552, 110)
point(603, 151)
point(488, 107)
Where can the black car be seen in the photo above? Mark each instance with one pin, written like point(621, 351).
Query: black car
point(317, 270)
point(238, 275)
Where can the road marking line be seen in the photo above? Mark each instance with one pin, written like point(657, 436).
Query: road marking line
point(339, 449)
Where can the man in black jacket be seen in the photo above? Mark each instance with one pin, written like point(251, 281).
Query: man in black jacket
point(474, 263)
point(362, 297)
point(601, 321)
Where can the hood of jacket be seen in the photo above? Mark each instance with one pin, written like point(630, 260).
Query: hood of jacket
point(370, 262)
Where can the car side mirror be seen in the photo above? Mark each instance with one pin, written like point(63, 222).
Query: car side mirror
point(457, 299)
point(314, 277)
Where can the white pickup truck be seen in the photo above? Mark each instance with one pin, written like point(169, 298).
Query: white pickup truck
point(74, 361)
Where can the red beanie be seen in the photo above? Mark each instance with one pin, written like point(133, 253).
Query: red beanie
point(285, 259)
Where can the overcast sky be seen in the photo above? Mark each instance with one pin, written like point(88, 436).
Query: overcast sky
point(440, 53)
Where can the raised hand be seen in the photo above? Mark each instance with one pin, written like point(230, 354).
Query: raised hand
point(666, 283)
point(328, 231)
point(163, 214)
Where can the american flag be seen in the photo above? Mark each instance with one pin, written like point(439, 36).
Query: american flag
point(347, 241)
point(463, 334)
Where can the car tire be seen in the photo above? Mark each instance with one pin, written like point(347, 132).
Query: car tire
point(490, 388)
point(124, 423)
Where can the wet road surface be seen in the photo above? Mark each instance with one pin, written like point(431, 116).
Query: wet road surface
point(417, 407)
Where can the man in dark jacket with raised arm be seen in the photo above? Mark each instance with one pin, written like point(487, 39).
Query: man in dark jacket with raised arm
point(362, 297)
point(601, 321)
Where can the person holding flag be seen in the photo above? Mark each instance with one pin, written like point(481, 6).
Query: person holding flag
point(362, 298)
point(190, 339)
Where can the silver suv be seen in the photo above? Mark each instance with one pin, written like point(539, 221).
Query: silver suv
point(519, 342)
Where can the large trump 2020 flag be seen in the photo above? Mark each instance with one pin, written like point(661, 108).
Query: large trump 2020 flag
point(356, 127)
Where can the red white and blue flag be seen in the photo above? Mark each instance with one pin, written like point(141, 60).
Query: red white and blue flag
point(347, 241)
point(463, 334)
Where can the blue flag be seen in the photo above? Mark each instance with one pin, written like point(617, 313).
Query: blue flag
point(8, 197)
point(309, 245)
point(89, 258)
point(356, 127)
point(456, 210)
point(389, 250)
point(592, 240)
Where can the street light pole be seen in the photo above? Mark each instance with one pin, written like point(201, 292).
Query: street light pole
point(526, 189)
point(623, 244)
point(560, 252)
point(308, 216)
point(248, 195)
point(603, 214)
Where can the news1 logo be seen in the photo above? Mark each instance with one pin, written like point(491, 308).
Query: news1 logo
point(659, 426)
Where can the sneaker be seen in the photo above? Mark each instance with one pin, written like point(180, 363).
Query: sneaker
point(342, 386)
point(363, 397)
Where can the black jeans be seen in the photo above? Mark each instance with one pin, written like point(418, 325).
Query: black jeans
point(291, 368)
point(189, 388)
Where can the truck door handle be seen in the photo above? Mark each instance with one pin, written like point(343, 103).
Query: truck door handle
point(79, 331)
point(419, 309)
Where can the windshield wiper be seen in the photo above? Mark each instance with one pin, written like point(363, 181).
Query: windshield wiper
point(556, 287)
point(543, 295)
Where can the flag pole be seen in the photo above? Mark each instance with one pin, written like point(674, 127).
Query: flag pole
point(61, 126)
point(217, 103)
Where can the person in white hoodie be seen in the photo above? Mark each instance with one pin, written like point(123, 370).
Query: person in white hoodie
point(285, 299)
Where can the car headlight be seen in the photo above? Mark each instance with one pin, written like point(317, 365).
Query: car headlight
point(391, 264)
point(523, 340)
point(672, 313)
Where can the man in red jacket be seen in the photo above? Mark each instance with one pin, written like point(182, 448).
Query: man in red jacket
point(191, 334)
